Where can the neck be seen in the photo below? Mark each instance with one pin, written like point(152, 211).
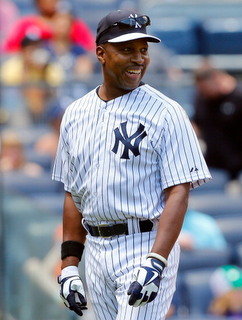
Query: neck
point(107, 93)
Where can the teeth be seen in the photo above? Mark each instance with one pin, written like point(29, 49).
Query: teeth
point(134, 71)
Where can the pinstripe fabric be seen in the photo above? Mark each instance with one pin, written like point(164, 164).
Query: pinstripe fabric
point(106, 186)
point(113, 276)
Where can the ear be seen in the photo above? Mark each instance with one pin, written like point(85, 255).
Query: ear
point(100, 52)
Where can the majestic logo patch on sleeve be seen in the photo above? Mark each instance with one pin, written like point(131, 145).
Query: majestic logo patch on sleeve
point(123, 137)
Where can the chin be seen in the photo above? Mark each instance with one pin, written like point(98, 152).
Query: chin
point(132, 87)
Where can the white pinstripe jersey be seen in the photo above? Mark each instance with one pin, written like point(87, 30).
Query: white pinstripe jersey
point(117, 157)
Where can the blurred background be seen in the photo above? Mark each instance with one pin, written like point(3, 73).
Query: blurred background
point(47, 61)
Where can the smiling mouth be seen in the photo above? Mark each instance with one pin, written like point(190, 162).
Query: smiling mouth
point(134, 71)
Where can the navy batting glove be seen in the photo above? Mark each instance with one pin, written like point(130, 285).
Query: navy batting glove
point(146, 282)
point(72, 291)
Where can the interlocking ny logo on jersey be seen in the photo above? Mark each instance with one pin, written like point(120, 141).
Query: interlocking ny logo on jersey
point(139, 135)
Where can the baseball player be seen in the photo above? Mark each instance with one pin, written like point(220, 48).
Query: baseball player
point(127, 157)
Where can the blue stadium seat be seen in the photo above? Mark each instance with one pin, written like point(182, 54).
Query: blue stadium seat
point(231, 226)
point(41, 232)
point(197, 9)
point(196, 259)
point(177, 34)
point(28, 232)
point(25, 6)
point(197, 292)
point(198, 317)
point(19, 182)
point(239, 254)
point(92, 11)
point(221, 36)
point(52, 202)
point(217, 204)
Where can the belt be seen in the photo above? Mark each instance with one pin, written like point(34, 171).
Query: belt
point(106, 230)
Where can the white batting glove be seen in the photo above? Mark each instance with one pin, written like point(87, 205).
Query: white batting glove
point(146, 282)
point(72, 291)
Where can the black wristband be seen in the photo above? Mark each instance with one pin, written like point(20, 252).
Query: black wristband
point(72, 248)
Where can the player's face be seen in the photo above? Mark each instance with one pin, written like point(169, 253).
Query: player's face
point(124, 64)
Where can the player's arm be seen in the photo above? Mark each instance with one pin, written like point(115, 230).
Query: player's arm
point(73, 229)
point(71, 286)
point(171, 220)
point(146, 279)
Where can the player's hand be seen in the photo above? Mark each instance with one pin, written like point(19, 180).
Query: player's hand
point(72, 290)
point(146, 282)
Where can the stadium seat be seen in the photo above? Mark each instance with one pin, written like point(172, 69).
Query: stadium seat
point(198, 317)
point(197, 291)
point(217, 204)
point(221, 36)
point(177, 34)
point(19, 182)
point(239, 254)
point(28, 232)
point(41, 231)
point(52, 202)
point(196, 9)
point(195, 259)
point(231, 226)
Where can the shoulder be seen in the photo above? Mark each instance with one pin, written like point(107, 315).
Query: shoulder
point(79, 104)
point(169, 105)
point(158, 95)
point(73, 115)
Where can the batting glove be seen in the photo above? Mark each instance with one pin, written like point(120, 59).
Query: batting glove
point(72, 291)
point(146, 282)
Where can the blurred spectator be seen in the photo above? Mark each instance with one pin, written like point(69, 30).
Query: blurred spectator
point(47, 143)
point(9, 14)
point(201, 231)
point(226, 286)
point(217, 118)
point(12, 156)
point(76, 62)
point(32, 70)
point(32, 64)
point(36, 98)
point(80, 33)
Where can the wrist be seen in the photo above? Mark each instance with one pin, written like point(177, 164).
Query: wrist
point(70, 261)
point(158, 257)
point(69, 271)
point(72, 248)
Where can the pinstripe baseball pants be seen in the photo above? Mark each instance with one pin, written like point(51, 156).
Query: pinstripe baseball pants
point(109, 264)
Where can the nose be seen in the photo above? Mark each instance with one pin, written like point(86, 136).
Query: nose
point(137, 57)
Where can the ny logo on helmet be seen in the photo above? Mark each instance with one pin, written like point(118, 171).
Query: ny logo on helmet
point(123, 137)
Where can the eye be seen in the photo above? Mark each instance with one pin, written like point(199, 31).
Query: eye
point(144, 50)
point(127, 49)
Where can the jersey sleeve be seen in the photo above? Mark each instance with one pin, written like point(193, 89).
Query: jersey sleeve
point(181, 158)
point(62, 163)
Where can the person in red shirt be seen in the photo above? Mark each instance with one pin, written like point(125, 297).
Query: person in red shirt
point(80, 33)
